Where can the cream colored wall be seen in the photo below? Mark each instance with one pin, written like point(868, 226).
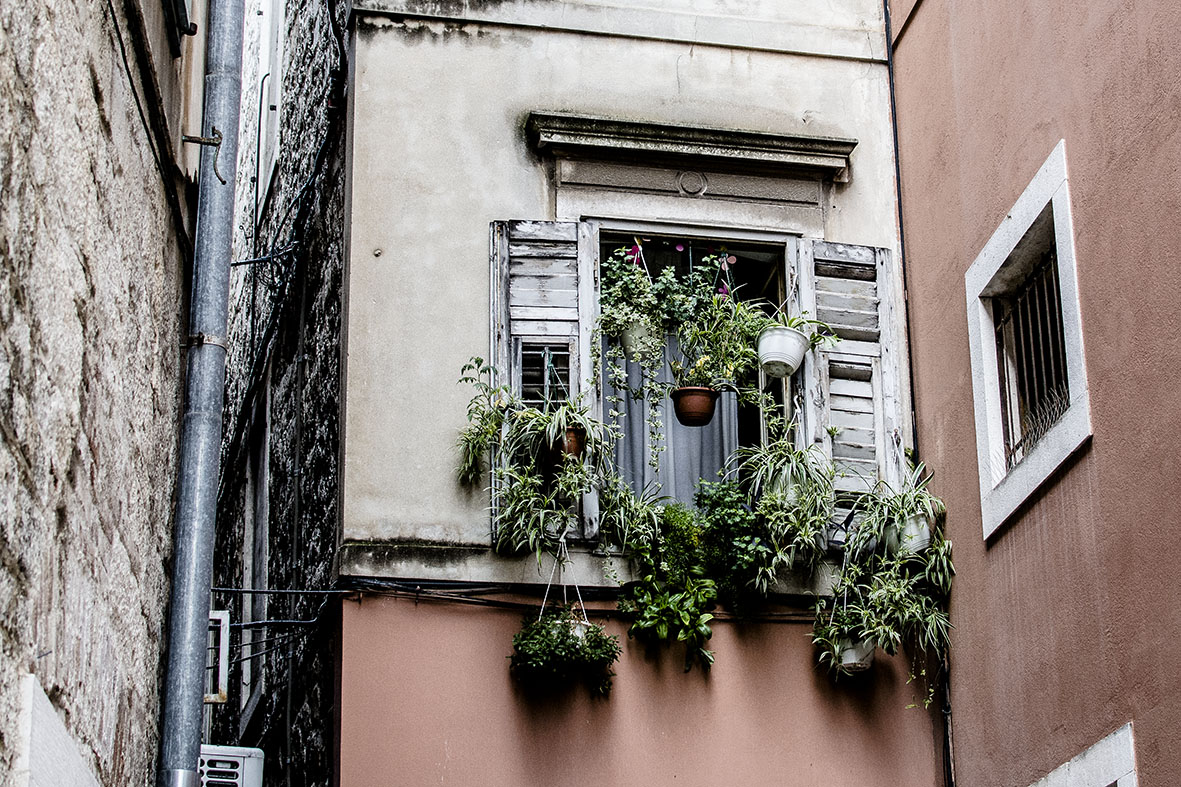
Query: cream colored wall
point(438, 151)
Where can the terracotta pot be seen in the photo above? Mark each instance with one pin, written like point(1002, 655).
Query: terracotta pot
point(694, 406)
point(575, 441)
point(781, 350)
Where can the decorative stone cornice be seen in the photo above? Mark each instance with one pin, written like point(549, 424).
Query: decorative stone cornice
point(702, 148)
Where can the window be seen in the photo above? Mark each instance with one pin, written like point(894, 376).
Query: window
point(689, 454)
point(1028, 373)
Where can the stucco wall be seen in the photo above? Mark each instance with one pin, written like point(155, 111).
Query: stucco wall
point(426, 698)
point(90, 305)
point(438, 151)
point(1065, 619)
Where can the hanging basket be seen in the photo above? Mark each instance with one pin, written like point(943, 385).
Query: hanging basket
point(856, 656)
point(915, 534)
point(781, 350)
point(633, 336)
point(694, 406)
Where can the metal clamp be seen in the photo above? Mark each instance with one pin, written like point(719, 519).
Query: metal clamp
point(197, 339)
point(213, 141)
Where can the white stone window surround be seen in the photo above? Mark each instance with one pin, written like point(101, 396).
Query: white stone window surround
point(1003, 492)
point(1109, 763)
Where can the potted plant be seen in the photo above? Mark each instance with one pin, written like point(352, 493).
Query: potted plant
point(718, 351)
point(907, 517)
point(792, 490)
point(670, 601)
point(786, 338)
point(629, 310)
point(559, 649)
point(547, 459)
point(884, 598)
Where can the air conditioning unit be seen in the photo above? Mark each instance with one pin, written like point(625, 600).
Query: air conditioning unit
point(230, 766)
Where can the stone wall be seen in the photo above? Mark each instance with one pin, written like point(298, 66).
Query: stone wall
point(91, 297)
point(285, 361)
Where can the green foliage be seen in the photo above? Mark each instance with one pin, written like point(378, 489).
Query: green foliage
point(719, 345)
point(736, 546)
point(538, 485)
point(561, 649)
point(485, 415)
point(671, 600)
point(887, 596)
point(626, 519)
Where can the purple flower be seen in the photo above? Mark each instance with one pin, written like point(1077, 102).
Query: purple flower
point(723, 290)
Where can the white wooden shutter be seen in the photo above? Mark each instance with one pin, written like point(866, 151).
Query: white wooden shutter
point(543, 294)
point(856, 387)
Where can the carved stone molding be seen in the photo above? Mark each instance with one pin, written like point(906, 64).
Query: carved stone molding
point(690, 147)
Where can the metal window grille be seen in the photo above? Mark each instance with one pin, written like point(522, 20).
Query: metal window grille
point(1031, 359)
point(545, 373)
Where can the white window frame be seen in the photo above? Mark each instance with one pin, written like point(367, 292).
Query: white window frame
point(1109, 763)
point(1002, 492)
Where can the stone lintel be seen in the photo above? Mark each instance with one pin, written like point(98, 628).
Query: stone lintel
point(696, 146)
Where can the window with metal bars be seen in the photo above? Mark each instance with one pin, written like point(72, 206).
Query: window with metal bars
point(1031, 358)
point(545, 373)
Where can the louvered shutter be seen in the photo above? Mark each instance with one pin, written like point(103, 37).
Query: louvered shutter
point(543, 302)
point(856, 400)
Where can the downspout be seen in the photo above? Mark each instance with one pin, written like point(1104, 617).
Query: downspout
point(200, 441)
point(945, 661)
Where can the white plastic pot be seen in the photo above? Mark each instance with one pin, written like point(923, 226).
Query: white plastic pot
point(915, 534)
point(632, 336)
point(856, 656)
point(781, 350)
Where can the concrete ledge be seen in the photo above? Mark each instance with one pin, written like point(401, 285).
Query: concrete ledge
point(470, 563)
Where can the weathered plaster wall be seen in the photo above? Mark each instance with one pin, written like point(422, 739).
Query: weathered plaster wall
point(90, 307)
point(438, 151)
point(1065, 620)
point(285, 361)
point(426, 698)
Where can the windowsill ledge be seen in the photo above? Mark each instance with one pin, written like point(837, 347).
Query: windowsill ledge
point(479, 564)
point(998, 503)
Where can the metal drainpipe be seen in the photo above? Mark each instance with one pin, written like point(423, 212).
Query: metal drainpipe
point(200, 442)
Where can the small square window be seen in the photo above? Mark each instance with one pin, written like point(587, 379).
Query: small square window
point(1028, 371)
point(545, 374)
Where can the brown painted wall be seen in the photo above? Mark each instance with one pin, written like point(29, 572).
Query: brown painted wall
point(1067, 619)
point(426, 698)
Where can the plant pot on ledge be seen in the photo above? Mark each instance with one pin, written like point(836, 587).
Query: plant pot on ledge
point(694, 406)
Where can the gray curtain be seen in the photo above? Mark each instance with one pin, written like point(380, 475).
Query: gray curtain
point(692, 452)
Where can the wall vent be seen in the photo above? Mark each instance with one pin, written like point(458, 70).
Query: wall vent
point(230, 766)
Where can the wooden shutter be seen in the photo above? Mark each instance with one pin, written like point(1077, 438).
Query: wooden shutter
point(855, 390)
point(543, 295)
point(542, 292)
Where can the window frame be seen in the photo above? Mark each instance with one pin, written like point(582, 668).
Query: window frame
point(996, 272)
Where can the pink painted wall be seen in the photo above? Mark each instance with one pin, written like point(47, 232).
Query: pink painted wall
point(426, 698)
point(1066, 621)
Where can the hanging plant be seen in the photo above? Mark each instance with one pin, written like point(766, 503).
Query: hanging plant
point(883, 596)
point(547, 459)
point(670, 601)
point(785, 339)
point(561, 648)
point(717, 349)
